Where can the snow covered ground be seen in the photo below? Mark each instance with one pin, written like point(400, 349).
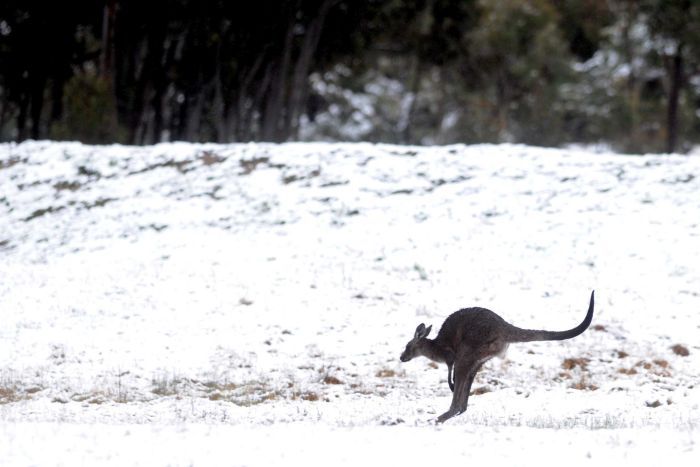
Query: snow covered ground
point(246, 304)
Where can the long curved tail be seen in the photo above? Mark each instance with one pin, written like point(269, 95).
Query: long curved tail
point(528, 335)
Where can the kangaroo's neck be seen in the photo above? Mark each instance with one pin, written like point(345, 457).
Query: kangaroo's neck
point(436, 352)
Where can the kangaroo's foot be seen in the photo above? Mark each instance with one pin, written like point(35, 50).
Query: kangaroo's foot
point(446, 416)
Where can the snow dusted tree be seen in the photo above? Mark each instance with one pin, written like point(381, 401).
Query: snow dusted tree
point(675, 28)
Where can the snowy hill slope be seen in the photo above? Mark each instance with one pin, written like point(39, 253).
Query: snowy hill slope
point(254, 284)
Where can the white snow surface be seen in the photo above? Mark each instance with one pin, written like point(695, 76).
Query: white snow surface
point(201, 304)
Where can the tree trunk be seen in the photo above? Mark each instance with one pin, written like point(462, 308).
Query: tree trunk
point(157, 104)
point(144, 86)
point(673, 98)
point(107, 52)
point(502, 103)
point(299, 89)
point(37, 93)
point(217, 106)
point(160, 85)
point(22, 117)
point(632, 88)
point(274, 106)
point(57, 86)
point(194, 117)
point(257, 107)
point(3, 114)
point(179, 123)
point(242, 122)
point(405, 127)
point(136, 102)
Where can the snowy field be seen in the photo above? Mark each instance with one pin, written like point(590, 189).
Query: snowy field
point(246, 304)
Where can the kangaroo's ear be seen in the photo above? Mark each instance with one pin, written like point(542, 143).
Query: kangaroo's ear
point(427, 331)
point(419, 331)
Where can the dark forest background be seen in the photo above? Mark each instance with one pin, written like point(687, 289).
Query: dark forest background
point(548, 72)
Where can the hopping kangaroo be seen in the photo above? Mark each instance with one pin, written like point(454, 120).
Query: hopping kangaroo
point(468, 338)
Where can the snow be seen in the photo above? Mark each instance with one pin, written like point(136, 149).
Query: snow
point(306, 444)
point(201, 304)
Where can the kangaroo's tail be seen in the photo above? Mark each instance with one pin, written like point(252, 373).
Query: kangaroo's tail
point(517, 334)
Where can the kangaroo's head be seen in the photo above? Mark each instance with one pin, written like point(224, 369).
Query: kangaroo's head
point(415, 345)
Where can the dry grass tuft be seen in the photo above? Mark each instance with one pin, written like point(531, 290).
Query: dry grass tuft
point(643, 364)
point(7, 163)
point(661, 363)
point(166, 386)
point(584, 385)
point(681, 350)
point(359, 389)
point(257, 392)
point(480, 390)
point(217, 386)
point(8, 394)
point(309, 396)
point(249, 165)
point(622, 354)
point(13, 391)
point(97, 397)
point(658, 367)
point(627, 371)
point(210, 158)
point(571, 363)
point(331, 380)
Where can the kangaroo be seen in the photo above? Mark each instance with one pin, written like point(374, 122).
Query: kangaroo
point(470, 337)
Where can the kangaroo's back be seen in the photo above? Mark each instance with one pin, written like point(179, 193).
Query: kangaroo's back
point(472, 327)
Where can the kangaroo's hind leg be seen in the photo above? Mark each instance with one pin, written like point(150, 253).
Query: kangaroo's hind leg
point(450, 377)
point(465, 370)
